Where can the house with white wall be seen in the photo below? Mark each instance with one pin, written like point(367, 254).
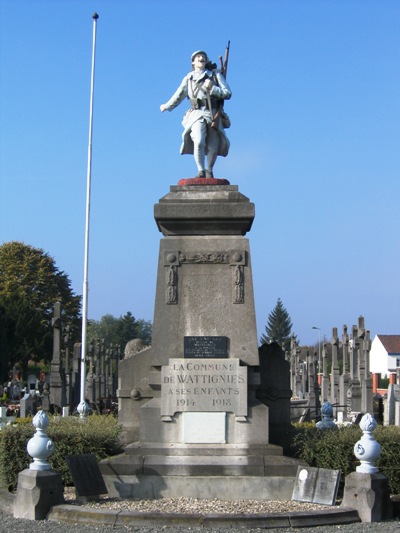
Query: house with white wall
point(384, 356)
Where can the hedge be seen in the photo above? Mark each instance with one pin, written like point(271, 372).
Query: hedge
point(98, 434)
point(334, 449)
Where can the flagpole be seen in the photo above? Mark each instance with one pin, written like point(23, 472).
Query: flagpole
point(83, 407)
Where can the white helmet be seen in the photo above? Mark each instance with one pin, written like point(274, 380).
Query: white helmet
point(199, 52)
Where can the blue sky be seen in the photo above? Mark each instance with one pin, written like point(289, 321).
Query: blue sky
point(314, 144)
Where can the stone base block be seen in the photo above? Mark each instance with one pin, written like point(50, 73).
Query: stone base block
point(204, 487)
point(369, 494)
point(228, 471)
point(37, 492)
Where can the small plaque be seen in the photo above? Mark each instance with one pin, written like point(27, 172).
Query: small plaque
point(86, 475)
point(327, 486)
point(205, 347)
point(316, 485)
point(204, 428)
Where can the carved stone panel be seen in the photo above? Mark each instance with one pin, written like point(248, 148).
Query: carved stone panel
point(209, 385)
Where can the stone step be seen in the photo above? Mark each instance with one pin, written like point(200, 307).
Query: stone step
point(201, 465)
point(203, 449)
point(206, 487)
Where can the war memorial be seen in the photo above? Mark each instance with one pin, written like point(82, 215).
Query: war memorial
point(191, 418)
point(205, 413)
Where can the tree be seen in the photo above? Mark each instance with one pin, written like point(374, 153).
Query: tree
point(279, 327)
point(4, 351)
point(120, 330)
point(30, 285)
point(145, 328)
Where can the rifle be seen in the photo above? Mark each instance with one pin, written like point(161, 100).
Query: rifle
point(224, 70)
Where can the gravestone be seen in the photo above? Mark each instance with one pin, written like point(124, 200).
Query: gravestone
point(27, 406)
point(32, 381)
point(274, 390)
point(393, 399)
point(334, 388)
point(86, 475)
point(57, 382)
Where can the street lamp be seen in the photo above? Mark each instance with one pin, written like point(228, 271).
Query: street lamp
point(319, 348)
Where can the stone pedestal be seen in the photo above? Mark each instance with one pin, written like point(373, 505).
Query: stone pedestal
point(369, 494)
point(195, 388)
point(37, 492)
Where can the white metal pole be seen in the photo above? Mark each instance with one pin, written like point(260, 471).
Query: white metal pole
point(83, 407)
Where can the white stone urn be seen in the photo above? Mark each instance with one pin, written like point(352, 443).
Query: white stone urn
point(367, 449)
point(40, 446)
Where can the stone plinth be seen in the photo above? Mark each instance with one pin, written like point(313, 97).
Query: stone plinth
point(204, 210)
point(369, 494)
point(37, 492)
point(195, 388)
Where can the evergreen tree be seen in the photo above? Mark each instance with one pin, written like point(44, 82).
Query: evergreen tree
point(279, 327)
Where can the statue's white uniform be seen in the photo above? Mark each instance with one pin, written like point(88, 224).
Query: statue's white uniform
point(199, 138)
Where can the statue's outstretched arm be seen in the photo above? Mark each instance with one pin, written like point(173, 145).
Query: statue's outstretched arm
point(179, 95)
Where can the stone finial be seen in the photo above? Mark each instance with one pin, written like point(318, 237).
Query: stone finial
point(83, 409)
point(367, 449)
point(40, 446)
point(327, 421)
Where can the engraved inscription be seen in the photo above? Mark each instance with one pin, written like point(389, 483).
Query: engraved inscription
point(207, 385)
point(207, 347)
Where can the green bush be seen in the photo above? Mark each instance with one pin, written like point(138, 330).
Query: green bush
point(334, 449)
point(98, 434)
point(389, 460)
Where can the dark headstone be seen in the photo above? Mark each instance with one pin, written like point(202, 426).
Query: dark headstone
point(205, 347)
point(274, 391)
point(316, 485)
point(86, 475)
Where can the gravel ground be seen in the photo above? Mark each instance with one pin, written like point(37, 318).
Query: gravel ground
point(200, 506)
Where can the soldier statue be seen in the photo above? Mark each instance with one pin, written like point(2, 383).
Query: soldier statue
point(204, 123)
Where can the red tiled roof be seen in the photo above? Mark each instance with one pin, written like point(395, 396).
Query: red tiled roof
point(390, 342)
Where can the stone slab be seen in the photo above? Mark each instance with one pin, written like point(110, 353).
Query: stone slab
point(204, 428)
point(316, 485)
point(86, 475)
point(327, 486)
